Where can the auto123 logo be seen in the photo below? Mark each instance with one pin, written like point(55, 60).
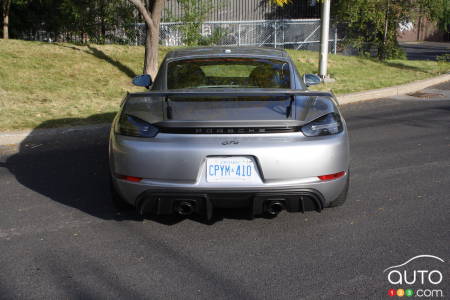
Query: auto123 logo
point(417, 277)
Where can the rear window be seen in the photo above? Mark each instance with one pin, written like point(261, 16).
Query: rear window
point(228, 73)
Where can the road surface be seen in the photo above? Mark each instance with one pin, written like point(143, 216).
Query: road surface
point(61, 238)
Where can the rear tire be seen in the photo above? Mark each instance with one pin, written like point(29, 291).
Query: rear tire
point(340, 200)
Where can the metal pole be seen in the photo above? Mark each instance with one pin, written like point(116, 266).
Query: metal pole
point(324, 38)
point(335, 39)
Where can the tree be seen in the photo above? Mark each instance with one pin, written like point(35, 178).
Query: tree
point(194, 13)
point(6, 9)
point(373, 24)
point(437, 10)
point(150, 10)
point(94, 19)
point(6, 5)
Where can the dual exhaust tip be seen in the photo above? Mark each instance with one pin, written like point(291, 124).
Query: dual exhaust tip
point(274, 207)
point(186, 207)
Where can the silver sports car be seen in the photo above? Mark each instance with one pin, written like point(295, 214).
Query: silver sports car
point(229, 128)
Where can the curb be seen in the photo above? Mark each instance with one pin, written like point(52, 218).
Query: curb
point(39, 135)
point(392, 91)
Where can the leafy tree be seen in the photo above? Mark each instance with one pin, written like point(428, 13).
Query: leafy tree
point(72, 20)
point(94, 18)
point(437, 10)
point(194, 14)
point(372, 24)
point(281, 2)
point(150, 11)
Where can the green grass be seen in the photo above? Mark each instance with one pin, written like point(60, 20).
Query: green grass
point(52, 85)
point(354, 74)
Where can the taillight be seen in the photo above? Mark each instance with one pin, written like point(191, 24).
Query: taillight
point(332, 176)
point(133, 126)
point(326, 125)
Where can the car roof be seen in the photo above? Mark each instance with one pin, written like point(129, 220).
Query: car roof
point(226, 51)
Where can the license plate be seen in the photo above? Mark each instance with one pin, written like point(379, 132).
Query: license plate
point(230, 169)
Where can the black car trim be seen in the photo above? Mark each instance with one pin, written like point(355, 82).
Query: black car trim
point(228, 130)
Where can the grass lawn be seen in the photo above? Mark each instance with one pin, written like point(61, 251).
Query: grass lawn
point(51, 85)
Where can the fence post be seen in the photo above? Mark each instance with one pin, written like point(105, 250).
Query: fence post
point(239, 34)
point(275, 33)
point(335, 39)
point(136, 33)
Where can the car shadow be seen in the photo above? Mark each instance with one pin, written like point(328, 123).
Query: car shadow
point(70, 167)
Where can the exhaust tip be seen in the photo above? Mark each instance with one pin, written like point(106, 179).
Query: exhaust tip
point(274, 207)
point(184, 208)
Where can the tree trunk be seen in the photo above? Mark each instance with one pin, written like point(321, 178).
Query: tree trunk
point(102, 22)
point(382, 53)
point(419, 28)
point(5, 18)
point(151, 52)
point(152, 17)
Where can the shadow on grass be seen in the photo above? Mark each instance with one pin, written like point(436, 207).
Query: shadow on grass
point(70, 166)
point(102, 55)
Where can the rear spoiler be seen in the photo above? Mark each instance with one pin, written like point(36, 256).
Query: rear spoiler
point(232, 93)
point(235, 93)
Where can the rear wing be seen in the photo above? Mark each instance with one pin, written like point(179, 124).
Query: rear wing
point(166, 94)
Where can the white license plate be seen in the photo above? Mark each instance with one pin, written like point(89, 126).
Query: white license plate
point(230, 169)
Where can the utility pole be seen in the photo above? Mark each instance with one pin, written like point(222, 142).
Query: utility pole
point(324, 38)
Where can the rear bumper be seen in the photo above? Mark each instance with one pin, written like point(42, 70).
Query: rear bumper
point(175, 164)
point(160, 202)
point(181, 158)
point(136, 193)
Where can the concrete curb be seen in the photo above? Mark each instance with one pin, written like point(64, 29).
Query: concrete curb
point(40, 135)
point(392, 91)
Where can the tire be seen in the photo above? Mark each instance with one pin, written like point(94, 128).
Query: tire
point(118, 202)
point(340, 200)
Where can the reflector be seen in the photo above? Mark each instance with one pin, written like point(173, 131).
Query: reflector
point(331, 176)
point(129, 178)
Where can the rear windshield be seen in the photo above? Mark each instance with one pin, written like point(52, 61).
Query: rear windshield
point(228, 73)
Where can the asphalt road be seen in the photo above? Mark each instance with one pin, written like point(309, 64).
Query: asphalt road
point(61, 238)
point(425, 50)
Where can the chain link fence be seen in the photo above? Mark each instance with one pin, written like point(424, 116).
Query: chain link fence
point(301, 34)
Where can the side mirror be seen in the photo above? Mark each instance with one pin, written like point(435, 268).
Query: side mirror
point(143, 80)
point(311, 79)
